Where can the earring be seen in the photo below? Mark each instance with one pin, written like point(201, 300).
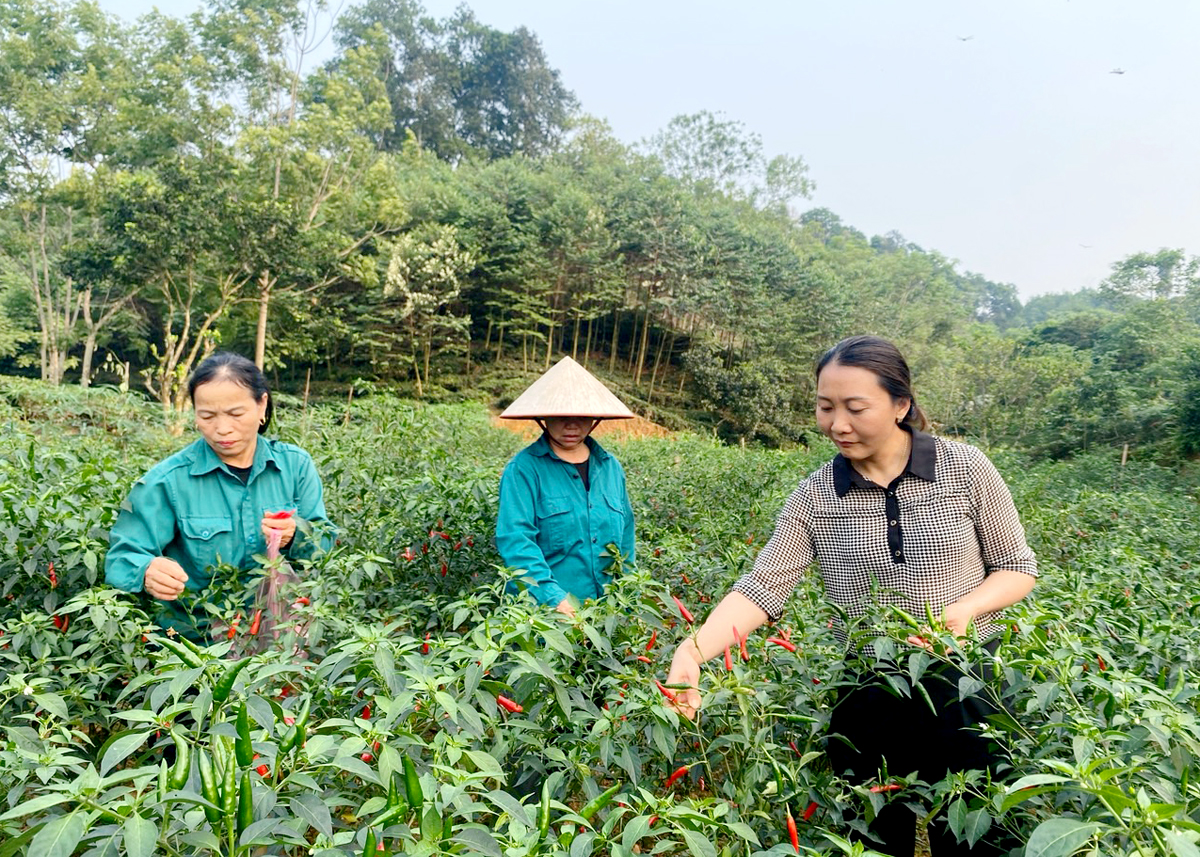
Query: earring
point(263, 421)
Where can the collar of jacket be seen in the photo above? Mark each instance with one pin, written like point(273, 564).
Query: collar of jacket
point(541, 446)
point(204, 460)
point(922, 463)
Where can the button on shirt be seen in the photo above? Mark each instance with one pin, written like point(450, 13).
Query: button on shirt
point(928, 538)
point(557, 531)
point(192, 509)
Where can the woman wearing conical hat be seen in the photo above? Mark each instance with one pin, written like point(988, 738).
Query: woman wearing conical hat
point(563, 499)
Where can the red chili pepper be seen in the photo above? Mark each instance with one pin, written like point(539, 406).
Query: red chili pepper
point(408, 554)
point(53, 577)
point(255, 622)
point(809, 810)
point(792, 834)
point(232, 632)
point(665, 691)
point(288, 720)
point(795, 749)
point(263, 770)
point(508, 705)
point(741, 641)
point(445, 568)
point(653, 638)
point(679, 772)
point(1100, 661)
point(653, 819)
point(281, 515)
point(61, 623)
point(366, 712)
point(728, 660)
point(886, 787)
point(683, 611)
point(779, 641)
point(686, 580)
point(425, 645)
point(367, 757)
point(470, 542)
point(644, 659)
point(816, 681)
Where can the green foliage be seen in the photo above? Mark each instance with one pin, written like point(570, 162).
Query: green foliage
point(389, 728)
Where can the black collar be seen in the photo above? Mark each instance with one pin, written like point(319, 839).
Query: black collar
point(922, 463)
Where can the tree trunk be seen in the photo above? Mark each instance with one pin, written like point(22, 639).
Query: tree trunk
point(549, 344)
point(612, 352)
point(264, 305)
point(662, 341)
point(644, 346)
point(587, 348)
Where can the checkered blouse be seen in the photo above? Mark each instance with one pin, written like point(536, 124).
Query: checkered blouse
point(929, 537)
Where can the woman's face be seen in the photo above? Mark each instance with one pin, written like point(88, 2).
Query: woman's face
point(856, 412)
point(567, 433)
point(228, 416)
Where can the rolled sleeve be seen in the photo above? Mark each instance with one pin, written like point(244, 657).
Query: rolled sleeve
point(516, 535)
point(144, 527)
point(783, 560)
point(1001, 536)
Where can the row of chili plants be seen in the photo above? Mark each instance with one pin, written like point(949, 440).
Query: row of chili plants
point(430, 715)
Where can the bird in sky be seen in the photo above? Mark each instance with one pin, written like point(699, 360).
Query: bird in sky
point(1117, 71)
point(964, 38)
point(1086, 246)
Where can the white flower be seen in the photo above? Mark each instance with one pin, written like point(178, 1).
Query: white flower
point(28, 691)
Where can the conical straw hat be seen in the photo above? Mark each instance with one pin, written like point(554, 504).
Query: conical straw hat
point(566, 389)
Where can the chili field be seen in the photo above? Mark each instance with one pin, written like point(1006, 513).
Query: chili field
point(427, 714)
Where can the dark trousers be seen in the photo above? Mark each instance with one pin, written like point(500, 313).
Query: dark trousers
point(902, 735)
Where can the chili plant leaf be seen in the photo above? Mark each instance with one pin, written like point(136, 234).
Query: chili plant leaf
point(1059, 837)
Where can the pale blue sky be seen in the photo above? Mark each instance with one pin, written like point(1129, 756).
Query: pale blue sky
point(1007, 151)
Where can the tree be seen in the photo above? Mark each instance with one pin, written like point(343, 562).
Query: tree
point(459, 85)
point(719, 155)
point(1161, 276)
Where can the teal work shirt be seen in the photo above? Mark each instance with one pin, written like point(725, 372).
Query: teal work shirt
point(192, 509)
point(556, 531)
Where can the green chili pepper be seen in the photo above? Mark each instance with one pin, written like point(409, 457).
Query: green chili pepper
point(243, 747)
point(412, 785)
point(229, 797)
point(543, 817)
point(186, 655)
point(393, 798)
point(599, 802)
point(371, 849)
point(287, 738)
point(388, 815)
point(162, 780)
point(301, 725)
point(447, 827)
point(183, 761)
point(208, 788)
point(245, 812)
point(224, 684)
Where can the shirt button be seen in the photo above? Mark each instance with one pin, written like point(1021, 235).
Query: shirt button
point(593, 540)
point(892, 523)
point(897, 553)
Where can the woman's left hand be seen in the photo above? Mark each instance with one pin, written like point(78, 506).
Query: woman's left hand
point(285, 526)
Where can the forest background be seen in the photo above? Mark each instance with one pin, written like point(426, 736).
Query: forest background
point(431, 212)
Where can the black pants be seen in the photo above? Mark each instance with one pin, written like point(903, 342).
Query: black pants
point(883, 730)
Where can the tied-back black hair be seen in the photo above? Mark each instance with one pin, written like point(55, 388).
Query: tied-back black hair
point(880, 357)
point(240, 370)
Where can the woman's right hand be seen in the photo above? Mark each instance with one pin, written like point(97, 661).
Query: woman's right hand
point(685, 669)
point(165, 579)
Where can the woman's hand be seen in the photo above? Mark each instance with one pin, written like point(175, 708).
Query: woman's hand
point(285, 526)
point(164, 579)
point(685, 669)
point(566, 608)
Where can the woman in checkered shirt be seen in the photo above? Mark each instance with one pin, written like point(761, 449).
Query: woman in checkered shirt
point(899, 517)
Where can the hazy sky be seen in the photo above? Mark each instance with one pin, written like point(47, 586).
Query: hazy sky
point(994, 132)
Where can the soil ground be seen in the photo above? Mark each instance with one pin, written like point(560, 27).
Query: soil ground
point(614, 429)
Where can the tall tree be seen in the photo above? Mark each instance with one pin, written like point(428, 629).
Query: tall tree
point(459, 85)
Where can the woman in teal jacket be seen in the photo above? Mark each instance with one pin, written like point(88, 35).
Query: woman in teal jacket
point(216, 500)
point(564, 507)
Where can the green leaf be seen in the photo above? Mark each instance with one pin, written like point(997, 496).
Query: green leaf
point(141, 836)
point(59, 837)
point(33, 807)
point(977, 824)
point(515, 809)
point(1059, 837)
point(479, 841)
point(743, 830)
point(1182, 845)
point(635, 830)
point(53, 703)
point(121, 749)
point(699, 844)
point(313, 810)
